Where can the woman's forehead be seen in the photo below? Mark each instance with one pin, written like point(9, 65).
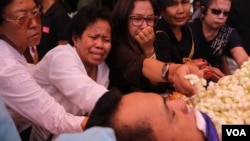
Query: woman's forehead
point(20, 6)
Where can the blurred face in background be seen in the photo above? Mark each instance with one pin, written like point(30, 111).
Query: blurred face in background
point(196, 5)
point(217, 14)
point(95, 42)
point(177, 12)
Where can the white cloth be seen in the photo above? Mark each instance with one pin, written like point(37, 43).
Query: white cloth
point(200, 122)
point(62, 74)
point(32, 51)
point(232, 65)
point(25, 97)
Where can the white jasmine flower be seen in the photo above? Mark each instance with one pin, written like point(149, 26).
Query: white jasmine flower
point(228, 100)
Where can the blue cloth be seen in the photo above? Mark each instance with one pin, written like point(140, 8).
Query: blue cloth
point(8, 131)
point(92, 134)
point(212, 134)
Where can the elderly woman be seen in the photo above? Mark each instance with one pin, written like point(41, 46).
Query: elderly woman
point(20, 27)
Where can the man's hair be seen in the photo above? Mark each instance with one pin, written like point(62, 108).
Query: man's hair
point(104, 115)
point(104, 109)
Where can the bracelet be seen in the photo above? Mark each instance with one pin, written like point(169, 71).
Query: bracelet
point(165, 71)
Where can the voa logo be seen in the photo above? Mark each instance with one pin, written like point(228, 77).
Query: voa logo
point(236, 132)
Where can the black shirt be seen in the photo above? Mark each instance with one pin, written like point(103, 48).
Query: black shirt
point(239, 19)
point(55, 27)
point(226, 39)
point(168, 48)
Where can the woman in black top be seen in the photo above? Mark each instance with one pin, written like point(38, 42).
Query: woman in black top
point(174, 39)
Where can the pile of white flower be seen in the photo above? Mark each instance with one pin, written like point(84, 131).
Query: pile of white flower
point(228, 100)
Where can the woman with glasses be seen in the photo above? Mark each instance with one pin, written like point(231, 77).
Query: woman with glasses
point(214, 38)
point(132, 57)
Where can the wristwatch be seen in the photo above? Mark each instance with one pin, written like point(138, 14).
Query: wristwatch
point(164, 71)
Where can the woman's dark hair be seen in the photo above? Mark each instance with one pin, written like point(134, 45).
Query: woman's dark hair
point(205, 5)
point(104, 3)
point(162, 4)
point(120, 29)
point(87, 15)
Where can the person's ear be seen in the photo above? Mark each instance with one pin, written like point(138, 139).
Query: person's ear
point(75, 39)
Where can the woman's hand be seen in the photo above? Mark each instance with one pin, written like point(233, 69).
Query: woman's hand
point(201, 63)
point(210, 72)
point(145, 38)
point(84, 122)
point(213, 73)
point(177, 77)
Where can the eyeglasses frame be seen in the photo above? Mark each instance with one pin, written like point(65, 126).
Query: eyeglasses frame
point(145, 19)
point(35, 15)
point(218, 12)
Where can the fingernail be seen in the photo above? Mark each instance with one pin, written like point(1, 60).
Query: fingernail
point(208, 74)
